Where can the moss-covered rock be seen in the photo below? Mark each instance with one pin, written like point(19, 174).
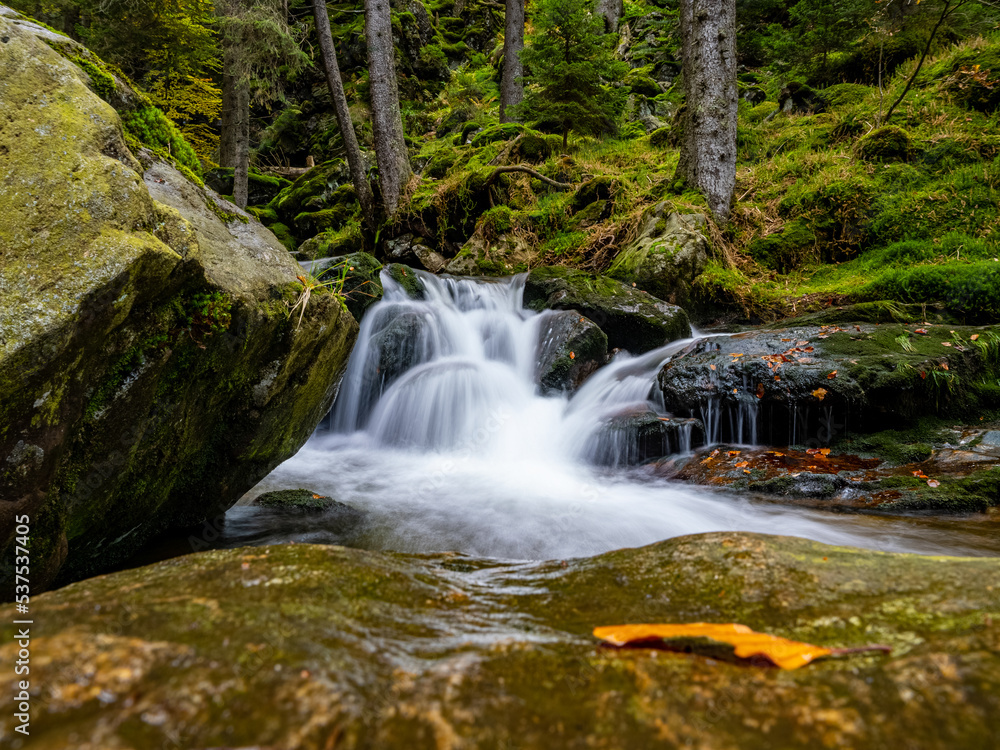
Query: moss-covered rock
point(261, 188)
point(407, 278)
point(667, 256)
point(886, 144)
point(357, 279)
point(149, 370)
point(787, 248)
point(792, 384)
point(479, 653)
point(632, 319)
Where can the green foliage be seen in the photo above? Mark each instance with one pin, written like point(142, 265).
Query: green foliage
point(102, 82)
point(568, 67)
point(495, 222)
point(148, 126)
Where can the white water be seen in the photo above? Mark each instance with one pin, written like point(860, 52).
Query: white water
point(461, 452)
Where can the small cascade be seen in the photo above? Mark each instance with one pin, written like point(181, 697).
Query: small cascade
point(444, 438)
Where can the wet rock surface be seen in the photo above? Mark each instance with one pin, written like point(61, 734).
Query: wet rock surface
point(570, 348)
point(632, 319)
point(359, 649)
point(789, 385)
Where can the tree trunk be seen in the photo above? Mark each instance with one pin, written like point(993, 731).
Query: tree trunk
point(512, 85)
point(356, 163)
point(612, 11)
point(708, 141)
point(241, 166)
point(387, 123)
point(230, 110)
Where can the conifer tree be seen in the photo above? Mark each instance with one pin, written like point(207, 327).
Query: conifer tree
point(569, 68)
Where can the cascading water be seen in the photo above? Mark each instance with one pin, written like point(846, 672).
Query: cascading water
point(442, 436)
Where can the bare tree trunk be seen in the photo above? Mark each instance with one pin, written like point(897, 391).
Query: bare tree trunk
point(387, 122)
point(612, 11)
point(512, 85)
point(230, 110)
point(354, 160)
point(241, 166)
point(708, 142)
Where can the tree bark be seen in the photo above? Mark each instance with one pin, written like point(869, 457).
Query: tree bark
point(355, 161)
point(708, 141)
point(387, 122)
point(612, 11)
point(230, 109)
point(241, 165)
point(512, 85)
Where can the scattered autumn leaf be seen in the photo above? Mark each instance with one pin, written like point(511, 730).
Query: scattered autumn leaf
point(317, 497)
point(923, 375)
point(824, 451)
point(777, 379)
point(741, 464)
point(572, 355)
point(746, 643)
point(820, 393)
point(760, 390)
point(933, 483)
point(944, 366)
point(832, 375)
point(711, 367)
point(919, 474)
point(921, 331)
point(974, 336)
point(733, 453)
point(945, 343)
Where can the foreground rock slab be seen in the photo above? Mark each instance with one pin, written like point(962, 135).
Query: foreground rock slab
point(315, 647)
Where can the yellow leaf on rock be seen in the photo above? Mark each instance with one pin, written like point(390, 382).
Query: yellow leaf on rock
point(820, 393)
point(746, 642)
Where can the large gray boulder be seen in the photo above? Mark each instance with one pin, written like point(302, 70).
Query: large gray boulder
point(570, 349)
point(149, 369)
point(357, 649)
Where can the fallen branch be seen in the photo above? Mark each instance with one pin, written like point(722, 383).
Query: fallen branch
point(527, 170)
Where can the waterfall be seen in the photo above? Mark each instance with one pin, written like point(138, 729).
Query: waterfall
point(443, 437)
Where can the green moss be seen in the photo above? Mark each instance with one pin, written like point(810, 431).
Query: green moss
point(495, 222)
point(641, 83)
point(440, 163)
point(886, 144)
point(505, 132)
point(786, 249)
point(661, 137)
point(102, 82)
point(149, 127)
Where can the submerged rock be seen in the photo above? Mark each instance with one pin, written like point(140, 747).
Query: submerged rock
point(149, 370)
point(570, 349)
point(637, 436)
point(632, 319)
point(400, 651)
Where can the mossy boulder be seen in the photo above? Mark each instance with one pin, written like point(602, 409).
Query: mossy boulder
point(149, 370)
point(504, 132)
point(787, 248)
point(790, 385)
point(632, 319)
point(667, 256)
point(407, 278)
point(597, 189)
point(326, 185)
point(570, 349)
point(662, 137)
point(642, 84)
point(261, 188)
point(501, 255)
point(886, 144)
point(331, 244)
point(798, 98)
point(440, 163)
point(480, 652)
point(532, 147)
point(362, 284)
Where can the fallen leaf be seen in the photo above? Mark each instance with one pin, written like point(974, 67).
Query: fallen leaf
point(933, 483)
point(945, 343)
point(832, 375)
point(317, 497)
point(572, 355)
point(944, 366)
point(733, 453)
point(746, 643)
point(921, 331)
point(820, 393)
point(974, 336)
point(802, 343)
point(741, 464)
point(711, 367)
point(824, 451)
point(923, 375)
point(777, 379)
point(760, 390)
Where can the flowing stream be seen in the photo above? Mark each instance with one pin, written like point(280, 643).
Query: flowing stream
point(442, 436)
